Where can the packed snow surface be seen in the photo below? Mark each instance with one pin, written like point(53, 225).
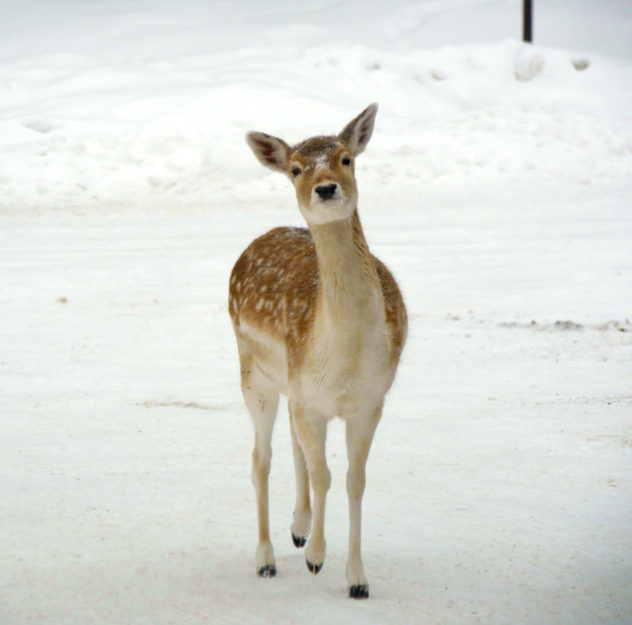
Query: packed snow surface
point(498, 189)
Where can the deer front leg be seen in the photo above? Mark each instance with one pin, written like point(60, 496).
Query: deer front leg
point(262, 402)
point(302, 510)
point(261, 455)
point(359, 435)
point(311, 431)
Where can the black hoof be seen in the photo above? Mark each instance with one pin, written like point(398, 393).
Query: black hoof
point(298, 541)
point(313, 568)
point(361, 591)
point(269, 570)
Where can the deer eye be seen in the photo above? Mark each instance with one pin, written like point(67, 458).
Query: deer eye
point(346, 161)
point(295, 171)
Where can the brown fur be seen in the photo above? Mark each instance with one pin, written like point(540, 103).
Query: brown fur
point(275, 283)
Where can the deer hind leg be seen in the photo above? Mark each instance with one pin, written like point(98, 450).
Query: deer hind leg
point(302, 510)
point(359, 434)
point(310, 429)
point(262, 400)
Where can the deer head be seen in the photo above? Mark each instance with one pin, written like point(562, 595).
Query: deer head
point(320, 168)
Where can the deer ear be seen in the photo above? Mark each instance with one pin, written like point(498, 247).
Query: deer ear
point(356, 133)
point(270, 151)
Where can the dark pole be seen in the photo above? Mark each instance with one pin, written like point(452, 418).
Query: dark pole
point(527, 21)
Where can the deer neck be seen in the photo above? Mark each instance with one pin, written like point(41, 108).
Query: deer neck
point(348, 286)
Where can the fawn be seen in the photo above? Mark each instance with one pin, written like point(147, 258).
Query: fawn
point(322, 321)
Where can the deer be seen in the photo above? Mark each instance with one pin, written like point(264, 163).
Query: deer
point(322, 321)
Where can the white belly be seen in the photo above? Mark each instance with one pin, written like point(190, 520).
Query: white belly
point(344, 375)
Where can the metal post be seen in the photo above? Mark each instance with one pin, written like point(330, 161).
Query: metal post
point(527, 21)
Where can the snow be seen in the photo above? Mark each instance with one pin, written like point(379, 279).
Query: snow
point(500, 481)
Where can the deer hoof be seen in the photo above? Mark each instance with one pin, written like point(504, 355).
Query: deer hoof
point(313, 568)
point(361, 591)
point(269, 570)
point(298, 541)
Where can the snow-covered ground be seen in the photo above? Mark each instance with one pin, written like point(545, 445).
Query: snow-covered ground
point(500, 481)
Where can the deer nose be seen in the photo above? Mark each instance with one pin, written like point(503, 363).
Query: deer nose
point(326, 191)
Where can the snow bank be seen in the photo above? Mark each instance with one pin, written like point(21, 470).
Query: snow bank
point(105, 113)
